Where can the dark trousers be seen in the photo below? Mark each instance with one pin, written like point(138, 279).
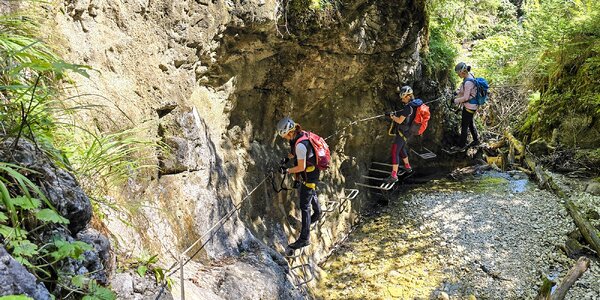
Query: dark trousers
point(308, 198)
point(466, 124)
point(399, 150)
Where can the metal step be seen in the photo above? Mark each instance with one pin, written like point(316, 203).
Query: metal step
point(383, 186)
point(307, 274)
point(426, 155)
point(380, 171)
point(381, 164)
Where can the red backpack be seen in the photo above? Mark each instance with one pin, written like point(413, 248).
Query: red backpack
point(422, 116)
point(321, 149)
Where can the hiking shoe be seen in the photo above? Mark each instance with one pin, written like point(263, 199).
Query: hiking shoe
point(315, 218)
point(299, 244)
point(408, 171)
point(391, 179)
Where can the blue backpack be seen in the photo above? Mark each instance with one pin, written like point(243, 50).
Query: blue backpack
point(482, 90)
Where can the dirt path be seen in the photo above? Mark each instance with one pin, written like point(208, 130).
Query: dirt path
point(492, 236)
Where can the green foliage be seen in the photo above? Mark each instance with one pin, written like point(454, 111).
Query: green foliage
point(15, 297)
point(440, 57)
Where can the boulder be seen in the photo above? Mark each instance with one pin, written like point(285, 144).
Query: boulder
point(16, 280)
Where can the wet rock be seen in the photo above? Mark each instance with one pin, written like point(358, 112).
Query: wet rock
point(16, 280)
point(593, 188)
point(59, 186)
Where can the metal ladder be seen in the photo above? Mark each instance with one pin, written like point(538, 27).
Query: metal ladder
point(384, 186)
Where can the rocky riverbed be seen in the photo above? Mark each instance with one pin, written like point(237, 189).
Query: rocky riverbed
point(486, 236)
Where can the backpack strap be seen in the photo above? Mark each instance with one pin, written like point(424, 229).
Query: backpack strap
point(472, 100)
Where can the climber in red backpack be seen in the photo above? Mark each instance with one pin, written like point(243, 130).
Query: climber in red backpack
point(311, 155)
point(410, 121)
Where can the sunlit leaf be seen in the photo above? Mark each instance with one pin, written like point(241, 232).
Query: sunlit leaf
point(49, 215)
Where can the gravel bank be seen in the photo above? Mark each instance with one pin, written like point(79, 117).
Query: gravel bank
point(491, 236)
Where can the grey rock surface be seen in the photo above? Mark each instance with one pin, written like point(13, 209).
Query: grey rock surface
point(59, 186)
point(16, 280)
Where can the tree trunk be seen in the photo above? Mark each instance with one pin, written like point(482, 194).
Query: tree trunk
point(574, 273)
point(587, 230)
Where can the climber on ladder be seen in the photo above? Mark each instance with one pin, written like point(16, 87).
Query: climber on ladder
point(403, 127)
point(310, 155)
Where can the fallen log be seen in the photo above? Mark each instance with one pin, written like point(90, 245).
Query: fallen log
point(589, 232)
point(514, 142)
point(582, 264)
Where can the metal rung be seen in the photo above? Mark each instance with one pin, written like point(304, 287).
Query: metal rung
point(381, 164)
point(383, 186)
point(304, 267)
point(380, 171)
point(331, 208)
point(352, 195)
point(427, 155)
point(373, 178)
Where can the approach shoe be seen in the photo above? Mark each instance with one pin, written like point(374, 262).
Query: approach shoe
point(391, 179)
point(299, 244)
point(315, 218)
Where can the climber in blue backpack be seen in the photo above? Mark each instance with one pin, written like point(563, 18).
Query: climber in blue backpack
point(472, 93)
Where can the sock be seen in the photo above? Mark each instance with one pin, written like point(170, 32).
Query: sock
point(394, 173)
point(407, 166)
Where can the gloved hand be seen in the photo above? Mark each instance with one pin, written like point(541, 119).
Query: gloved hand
point(284, 161)
point(283, 170)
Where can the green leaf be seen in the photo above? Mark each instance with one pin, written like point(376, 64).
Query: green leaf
point(26, 203)
point(79, 281)
point(3, 217)
point(50, 215)
point(24, 248)
point(15, 297)
point(141, 270)
point(65, 249)
point(10, 232)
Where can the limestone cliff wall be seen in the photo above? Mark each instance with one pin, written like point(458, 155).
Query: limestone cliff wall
point(211, 79)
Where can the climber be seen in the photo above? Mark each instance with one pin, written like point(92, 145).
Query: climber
point(466, 92)
point(303, 153)
point(402, 121)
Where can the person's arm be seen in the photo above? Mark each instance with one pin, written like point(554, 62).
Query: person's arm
point(301, 159)
point(467, 88)
point(399, 119)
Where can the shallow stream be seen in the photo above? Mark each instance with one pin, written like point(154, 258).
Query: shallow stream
point(487, 236)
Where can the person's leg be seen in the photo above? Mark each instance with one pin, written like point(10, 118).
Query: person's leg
point(314, 201)
point(305, 209)
point(473, 129)
point(466, 119)
point(404, 155)
point(395, 159)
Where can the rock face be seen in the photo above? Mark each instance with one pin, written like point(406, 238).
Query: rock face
point(59, 186)
point(65, 194)
point(211, 79)
point(16, 280)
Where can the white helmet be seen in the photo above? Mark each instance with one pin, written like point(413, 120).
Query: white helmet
point(285, 126)
point(405, 90)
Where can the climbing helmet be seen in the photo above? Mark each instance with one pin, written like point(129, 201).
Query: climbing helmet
point(285, 126)
point(405, 90)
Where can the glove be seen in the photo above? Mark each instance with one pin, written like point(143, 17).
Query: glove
point(296, 184)
point(456, 101)
point(283, 170)
point(284, 161)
